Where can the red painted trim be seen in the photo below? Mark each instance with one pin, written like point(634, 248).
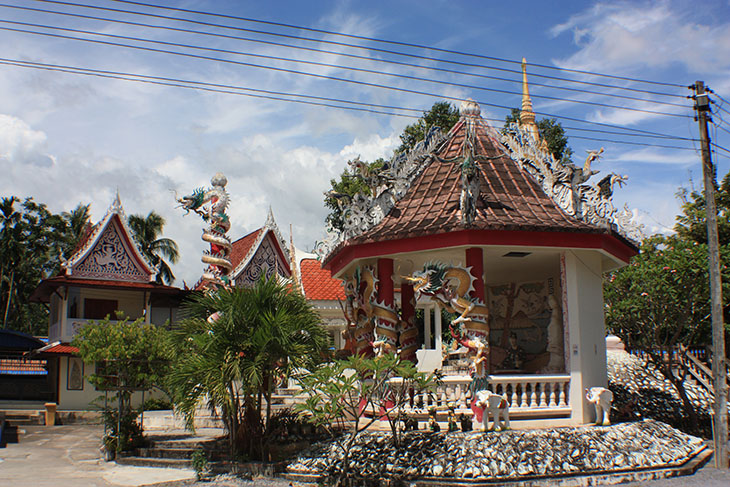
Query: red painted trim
point(475, 260)
point(516, 238)
point(385, 282)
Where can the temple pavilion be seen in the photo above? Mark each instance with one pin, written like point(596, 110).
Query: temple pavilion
point(521, 238)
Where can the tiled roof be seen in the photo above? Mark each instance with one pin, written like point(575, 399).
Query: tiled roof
point(510, 199)
point(12, 366)
point(318, 283)
point(242, 246)
point(61, 348)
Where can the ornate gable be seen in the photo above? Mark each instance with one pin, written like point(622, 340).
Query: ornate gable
point(266, 261)
point(110, 253)
point(263, 253)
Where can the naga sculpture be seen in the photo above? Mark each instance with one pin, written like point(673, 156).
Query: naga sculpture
point(450, 287)
point(375, 327)
point(211, 205)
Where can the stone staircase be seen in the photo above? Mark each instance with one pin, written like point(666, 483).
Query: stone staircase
point(175, 451)
point(13, 421)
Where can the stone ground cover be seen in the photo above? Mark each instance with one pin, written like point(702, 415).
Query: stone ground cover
point(509, 454)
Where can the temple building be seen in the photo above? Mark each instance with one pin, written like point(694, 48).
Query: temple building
point(510, 241)
point(107, 275)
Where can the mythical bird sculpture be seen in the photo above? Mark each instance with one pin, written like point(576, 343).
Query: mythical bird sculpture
point(211, 205)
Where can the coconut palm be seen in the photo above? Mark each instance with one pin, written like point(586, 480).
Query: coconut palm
point(77, 223)
point(147, 231)
point(233, 345)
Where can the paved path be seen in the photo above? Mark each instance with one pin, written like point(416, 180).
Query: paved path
point(68, 456)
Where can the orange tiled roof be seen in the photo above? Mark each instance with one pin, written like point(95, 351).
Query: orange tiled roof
point(242, 246)
point(62, 348)
point(318, 283)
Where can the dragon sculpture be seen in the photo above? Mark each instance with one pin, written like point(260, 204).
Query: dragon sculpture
point(374, 325)
point(211, 205)
point(450, 287)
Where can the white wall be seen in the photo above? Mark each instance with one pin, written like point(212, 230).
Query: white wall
point(81, 400)
point(586, 328)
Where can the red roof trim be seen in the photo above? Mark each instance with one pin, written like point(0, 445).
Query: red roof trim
point(608, 243)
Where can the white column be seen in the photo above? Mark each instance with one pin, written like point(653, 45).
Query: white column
point(437, 328)
point(586, 328)
point(427, 327)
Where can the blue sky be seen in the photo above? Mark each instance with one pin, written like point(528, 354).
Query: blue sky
point(66, 138)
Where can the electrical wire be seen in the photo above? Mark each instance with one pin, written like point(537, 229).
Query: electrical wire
point(361, 83)
point(337, 53)
point(203, 88)
point(72, 69)
point(330, 65)
point(385, 41)
point(265, 94)
point(355, 46)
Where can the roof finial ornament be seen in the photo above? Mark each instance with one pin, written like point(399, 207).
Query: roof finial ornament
point(527, 115)
point(270, 222)
point(293, 261)
point(469, 108)
point(116, 206)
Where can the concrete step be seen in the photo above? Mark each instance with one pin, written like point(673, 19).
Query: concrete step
point(154, 462)
point(179, 453)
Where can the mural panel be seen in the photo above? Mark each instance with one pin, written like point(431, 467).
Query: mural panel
point(526, 334)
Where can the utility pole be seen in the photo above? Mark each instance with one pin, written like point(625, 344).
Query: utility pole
point(719, 371)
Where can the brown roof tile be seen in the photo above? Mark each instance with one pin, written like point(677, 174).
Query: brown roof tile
point(510, 198)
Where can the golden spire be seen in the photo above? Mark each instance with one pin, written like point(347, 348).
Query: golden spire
point(527, 116)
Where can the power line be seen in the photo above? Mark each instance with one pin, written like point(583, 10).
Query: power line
point(362, 83)
point(80, 70)
point(631, 143)
point(337, 66)
point(385, 41)
point(203, 88)
point(374, 49)
point(344, 54)
point(719, 147)
point(265, 94)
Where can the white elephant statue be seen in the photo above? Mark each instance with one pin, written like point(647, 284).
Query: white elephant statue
point(497, 406)
point(601, 398)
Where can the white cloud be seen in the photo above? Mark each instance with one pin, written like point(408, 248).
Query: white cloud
point(21, 145)
point(636, 35)
point(656, 156)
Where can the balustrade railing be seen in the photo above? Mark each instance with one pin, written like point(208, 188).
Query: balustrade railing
point(534, 394)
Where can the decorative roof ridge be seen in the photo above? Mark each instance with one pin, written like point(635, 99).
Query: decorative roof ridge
point(115, 209)
point(269, 226)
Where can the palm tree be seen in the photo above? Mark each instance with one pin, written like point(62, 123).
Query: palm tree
point(233, 345)
point(77, 222)
point(146, 232)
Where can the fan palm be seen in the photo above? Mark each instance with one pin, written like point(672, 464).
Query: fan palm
point(233, 345)
point(147, 231)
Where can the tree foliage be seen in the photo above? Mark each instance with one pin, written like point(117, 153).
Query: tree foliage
point(660, 301)
point(551, 131)
point(692, 223)
point(147, 231)
point(442, 114)
point(32, 240)
point(361, 390)
point(231, 348)
point(129, 356)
